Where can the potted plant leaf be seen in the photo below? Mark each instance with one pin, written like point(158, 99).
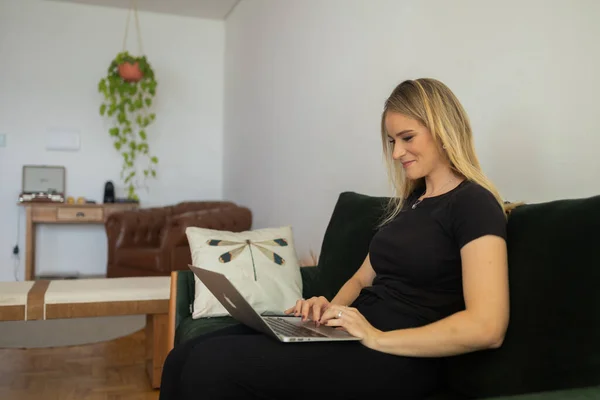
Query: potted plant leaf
point(129, 89)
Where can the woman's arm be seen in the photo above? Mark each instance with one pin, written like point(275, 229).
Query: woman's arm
point(481, 325)
point(362, 277)
point(346, 295)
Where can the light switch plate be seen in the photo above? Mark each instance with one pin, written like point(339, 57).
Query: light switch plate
point(2, 139)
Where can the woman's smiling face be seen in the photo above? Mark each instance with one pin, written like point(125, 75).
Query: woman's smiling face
point(413, 146)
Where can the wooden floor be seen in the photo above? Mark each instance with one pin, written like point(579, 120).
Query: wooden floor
point(103, 371)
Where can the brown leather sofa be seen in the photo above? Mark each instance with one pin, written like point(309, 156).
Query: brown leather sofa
point(152, 241)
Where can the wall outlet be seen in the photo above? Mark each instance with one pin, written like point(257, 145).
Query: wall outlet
point(2, 139)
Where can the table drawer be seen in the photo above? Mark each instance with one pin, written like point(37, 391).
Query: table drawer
point(79, 214)
point(44, 214)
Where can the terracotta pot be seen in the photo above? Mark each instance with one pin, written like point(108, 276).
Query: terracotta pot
point(130, 72)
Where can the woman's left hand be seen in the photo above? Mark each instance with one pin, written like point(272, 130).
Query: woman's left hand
point(351, 320)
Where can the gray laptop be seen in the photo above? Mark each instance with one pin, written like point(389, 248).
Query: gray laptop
point(284, 328)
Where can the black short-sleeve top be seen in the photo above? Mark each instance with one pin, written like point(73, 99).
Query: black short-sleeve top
point(416, 257)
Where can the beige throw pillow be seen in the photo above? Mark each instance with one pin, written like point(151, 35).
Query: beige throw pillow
point(262, 264)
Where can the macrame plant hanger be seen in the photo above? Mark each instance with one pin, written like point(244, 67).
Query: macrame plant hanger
point(133, 7)
point(131, 72)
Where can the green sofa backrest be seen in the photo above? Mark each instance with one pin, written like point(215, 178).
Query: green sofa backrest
point(553, 340)
point(345, 245)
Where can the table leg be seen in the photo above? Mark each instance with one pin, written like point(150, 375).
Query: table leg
point(156, 346)
point(29, 245)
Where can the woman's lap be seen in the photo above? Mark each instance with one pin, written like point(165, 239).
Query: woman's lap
point(238, 362)
point(257, 366)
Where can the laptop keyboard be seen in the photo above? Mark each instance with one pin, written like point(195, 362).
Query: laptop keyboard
point(287, 329)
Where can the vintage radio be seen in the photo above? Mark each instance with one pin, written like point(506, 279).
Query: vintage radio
point(43, 183)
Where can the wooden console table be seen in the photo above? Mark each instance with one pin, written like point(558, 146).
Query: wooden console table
point(62, 213)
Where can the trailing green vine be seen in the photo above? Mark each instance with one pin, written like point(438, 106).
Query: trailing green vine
point(128, 102)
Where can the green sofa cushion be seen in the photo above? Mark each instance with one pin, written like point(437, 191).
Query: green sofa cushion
point(553, 339)
point(347, 237)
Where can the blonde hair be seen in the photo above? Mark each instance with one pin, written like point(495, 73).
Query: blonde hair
point(434, 105)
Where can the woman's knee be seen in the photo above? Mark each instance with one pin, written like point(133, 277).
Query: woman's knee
point(211, 368)
point(202, 375)
point(204, 363)
point(173, 358)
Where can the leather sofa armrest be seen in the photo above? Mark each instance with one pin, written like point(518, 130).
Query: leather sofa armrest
point(112, 226)
point(141, 228)
point(230, 218)
point(130, 229)
point(113, 223)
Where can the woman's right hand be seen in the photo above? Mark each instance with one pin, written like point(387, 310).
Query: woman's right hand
point(315, 306)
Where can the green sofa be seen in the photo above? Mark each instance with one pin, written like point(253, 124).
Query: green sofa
point(552, 346)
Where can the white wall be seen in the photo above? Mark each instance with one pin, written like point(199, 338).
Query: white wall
point(53, 55)
point(306, 81)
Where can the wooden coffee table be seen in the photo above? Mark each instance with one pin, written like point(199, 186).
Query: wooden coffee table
point(51, 299)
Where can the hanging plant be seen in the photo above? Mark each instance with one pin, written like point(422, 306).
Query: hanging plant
point(128, 89)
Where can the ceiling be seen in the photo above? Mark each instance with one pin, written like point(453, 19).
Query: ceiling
point(210, 9)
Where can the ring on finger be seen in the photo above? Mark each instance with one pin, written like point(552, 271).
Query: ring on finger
point(339, 315)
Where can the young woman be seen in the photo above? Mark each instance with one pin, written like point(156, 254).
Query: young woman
point(434, 283)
